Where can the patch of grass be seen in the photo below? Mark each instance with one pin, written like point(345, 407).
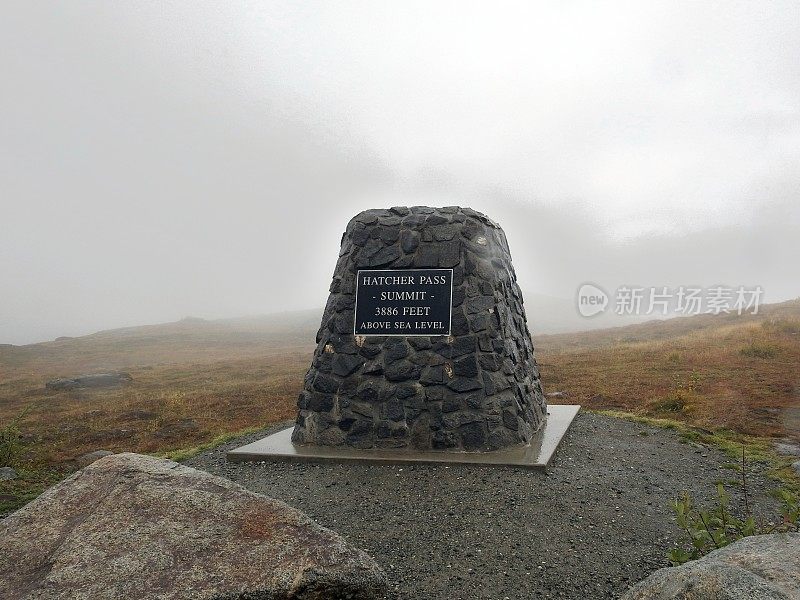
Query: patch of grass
point(190, 452)
point(676, 402)
point(783, 325)
point(759, 350)
point(10, 445)
point(27, 486)
point(713, 528)
point(695, 381)
point(642, 419)
point(728, 482)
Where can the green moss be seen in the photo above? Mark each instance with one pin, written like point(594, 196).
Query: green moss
point(186, 453)
point(758, 350)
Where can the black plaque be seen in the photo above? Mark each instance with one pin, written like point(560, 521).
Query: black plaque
point(403, 302)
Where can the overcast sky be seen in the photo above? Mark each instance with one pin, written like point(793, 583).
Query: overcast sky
point(165, 159)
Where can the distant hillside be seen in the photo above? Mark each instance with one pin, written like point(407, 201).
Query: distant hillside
point(663, 329)
point(187, 341)
point(199, 340)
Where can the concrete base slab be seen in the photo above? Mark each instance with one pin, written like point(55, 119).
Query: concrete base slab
point(536, 455)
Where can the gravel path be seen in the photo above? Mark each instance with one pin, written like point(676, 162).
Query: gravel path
point(597, 522)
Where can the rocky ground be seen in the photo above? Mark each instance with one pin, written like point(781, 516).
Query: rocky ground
point(595, 523)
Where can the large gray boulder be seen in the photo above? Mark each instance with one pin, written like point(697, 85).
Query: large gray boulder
point(133, 526)
point(762, 567)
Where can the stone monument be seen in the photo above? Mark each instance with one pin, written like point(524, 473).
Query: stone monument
point(423, 344)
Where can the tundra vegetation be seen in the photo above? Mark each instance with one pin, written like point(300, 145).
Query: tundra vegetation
point(725, 380)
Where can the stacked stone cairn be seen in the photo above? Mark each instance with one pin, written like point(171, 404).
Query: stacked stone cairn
point(475, 390)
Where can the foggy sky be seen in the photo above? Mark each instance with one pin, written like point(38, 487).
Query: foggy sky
point(160, 160)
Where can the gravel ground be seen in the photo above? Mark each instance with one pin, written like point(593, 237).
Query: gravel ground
point(595, 523)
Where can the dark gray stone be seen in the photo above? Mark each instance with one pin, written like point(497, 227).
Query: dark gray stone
point(7, 474)
point(390, 234)
point(459, 346)
point(320, 402)
point(370, 351)
point(459, 324)
point(450, 254)
point(409, 240)
point(479, 304)
point(405, 391)
point(432, 375)
point(466, 367)
point(373, 368)
point(473, 435)
point(384, 257)
point(360, 235)
point(464, 384)
point(395, 351)
point(325, 383)
point(345, 364)
point(420, 343)
point(475, 401)
point(445, 233)
point(479, 322)
point(510, 420)
point(395, 410)
point(370, 390)
point(427, 255)
point(98, 380)
point(435, 220)
point(490, 362)
point(451, 404)
point(442, 440)
point(400, 371)
point(477, 389)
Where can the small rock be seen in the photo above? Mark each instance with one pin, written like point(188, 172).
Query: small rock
point(7, 474)
point(86, 459)
point(557, 395)
point(98, 380)
point(62, 383)
point(788, 447)
point(796, 466)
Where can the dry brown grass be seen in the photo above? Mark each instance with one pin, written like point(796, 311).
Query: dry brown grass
point(166, 407)
point(735, 373)
point(194, 381)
